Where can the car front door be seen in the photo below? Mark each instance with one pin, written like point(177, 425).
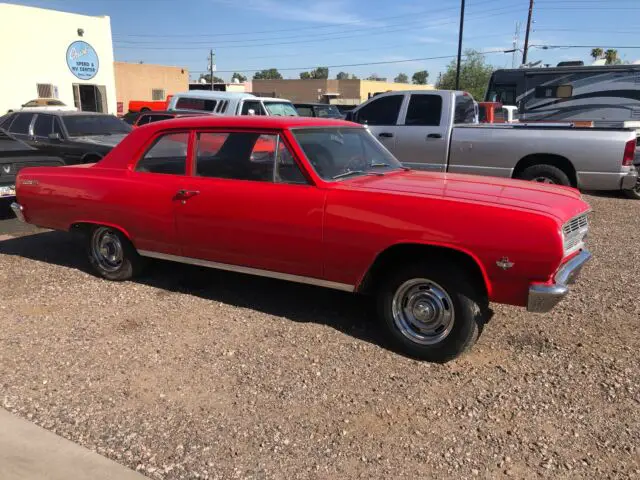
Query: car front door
point(422, 141)
point(249, 204)
point(381, 116)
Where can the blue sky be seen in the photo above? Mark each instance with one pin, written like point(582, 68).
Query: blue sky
point(287, 34)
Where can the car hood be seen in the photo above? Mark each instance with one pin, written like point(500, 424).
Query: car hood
point(105, 140)
point(561, 202)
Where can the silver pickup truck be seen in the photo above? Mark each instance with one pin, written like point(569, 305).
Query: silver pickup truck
point(438, 130)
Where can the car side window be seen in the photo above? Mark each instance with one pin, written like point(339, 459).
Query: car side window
point(253, 105)
point(157, 118)
point(167, 155)
point(424, 110)
point(21, 123)
point(246, 156)
point(43, 125)
point(5, 123)
point(143, 120)
point(381, 111)
point(56, 127)
point(305, 111)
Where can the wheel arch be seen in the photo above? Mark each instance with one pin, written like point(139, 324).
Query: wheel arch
point(558, 161)
point(91, 157)
point(83, 227)
point(403, 251)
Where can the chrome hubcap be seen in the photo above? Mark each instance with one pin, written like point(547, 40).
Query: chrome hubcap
point(544, 180)
point(423, 311)
point(106, 249)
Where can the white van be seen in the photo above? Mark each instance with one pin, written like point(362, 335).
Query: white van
point(230, 103)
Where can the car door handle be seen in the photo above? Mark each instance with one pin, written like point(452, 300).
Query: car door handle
point(386, 135)
point(434, 135)
point(185, 194)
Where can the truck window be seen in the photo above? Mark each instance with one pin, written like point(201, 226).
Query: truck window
point(465, 111)
point(43, 126)
point(425, 110)
point(381, 111)
point(186, 103)
point(21, 123)
point(254, 105)
point(504, 94)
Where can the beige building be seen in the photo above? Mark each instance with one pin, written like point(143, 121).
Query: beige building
point(338, 92)
point(141, 81)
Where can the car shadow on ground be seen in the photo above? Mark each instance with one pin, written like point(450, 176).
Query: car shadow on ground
point(347, 313)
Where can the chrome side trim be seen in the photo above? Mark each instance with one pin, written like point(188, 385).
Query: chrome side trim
point(542, 298)
point(17, 209)
point(250, 271)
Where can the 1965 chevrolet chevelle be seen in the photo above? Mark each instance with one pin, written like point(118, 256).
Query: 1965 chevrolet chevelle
point(320, 202)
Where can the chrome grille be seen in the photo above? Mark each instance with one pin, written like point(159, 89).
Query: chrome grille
point(574, 233)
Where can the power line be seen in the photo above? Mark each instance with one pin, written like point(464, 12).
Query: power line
point(316, 40)
point(619, 47)
point(389, 62)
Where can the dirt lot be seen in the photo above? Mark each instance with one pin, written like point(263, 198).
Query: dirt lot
point(193, 373)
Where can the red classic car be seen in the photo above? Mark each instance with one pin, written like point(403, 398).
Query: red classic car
point(320, 202)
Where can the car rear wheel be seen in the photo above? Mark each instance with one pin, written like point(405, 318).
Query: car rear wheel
point(545, 174)
point(634, 192)
point(112, 255)
point(431, 312)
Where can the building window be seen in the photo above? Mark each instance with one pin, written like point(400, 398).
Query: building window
point(157, 94)
point(45, 90)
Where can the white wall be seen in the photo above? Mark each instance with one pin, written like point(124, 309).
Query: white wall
point(34, 48)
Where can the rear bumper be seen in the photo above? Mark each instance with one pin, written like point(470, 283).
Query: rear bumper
point(629, 181)
point(17, 209)
point(623, 180)
point(543, 297)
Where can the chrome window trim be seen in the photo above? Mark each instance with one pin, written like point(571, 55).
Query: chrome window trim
point(250, 271)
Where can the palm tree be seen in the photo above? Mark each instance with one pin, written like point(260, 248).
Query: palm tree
point(612, 56)
point(597, 53)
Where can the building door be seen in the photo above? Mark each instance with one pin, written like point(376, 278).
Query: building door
point(90, 98)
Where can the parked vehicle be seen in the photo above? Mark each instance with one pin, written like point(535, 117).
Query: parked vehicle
point(77, 137)
point(230, 103)
point(321, 110)
point(137, 119)
point(149, 105)
point(604, 94)
point(437, 130)
point(326, 205)
point(14, 156)
point(46, 104)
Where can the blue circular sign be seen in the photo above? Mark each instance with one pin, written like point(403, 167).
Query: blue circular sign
point(82, 60)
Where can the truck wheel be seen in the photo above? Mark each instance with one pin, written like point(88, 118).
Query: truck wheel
point(634, 192)
point(431, 312)
point(545, 174)
point(112, 255)
point(145, 109)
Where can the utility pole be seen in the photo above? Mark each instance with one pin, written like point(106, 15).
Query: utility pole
point(526, 36)
point(516, 45)
point(460, 44)
point(212, 66)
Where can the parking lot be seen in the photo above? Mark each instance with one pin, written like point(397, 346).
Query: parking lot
point(193, 373)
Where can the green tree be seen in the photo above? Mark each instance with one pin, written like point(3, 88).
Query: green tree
point(420, 78)
point(346, 76)
point(401, 78)
point(376, 77)
point(320, 73)
point(597, 53)
point(305, 76)
point(241, 78)
point(207, 78)
point(269, 74)
point(612, 57)
point(474, 74)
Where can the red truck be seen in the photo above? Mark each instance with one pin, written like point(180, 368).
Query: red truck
point(326, 205)
point(149, 105)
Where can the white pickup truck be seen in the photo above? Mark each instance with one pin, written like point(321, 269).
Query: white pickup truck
point(438, 130)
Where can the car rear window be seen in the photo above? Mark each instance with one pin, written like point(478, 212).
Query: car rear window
point(201, 104)
point(21, 123)
point(465, 111)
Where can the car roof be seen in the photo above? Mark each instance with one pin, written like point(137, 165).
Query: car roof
point(213, 94)
point(65, 113)
point(311, 104)
point(257, 121)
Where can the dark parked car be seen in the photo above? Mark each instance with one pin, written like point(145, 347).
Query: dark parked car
point(137, 119)
point(321, 110)
point(77, 137)
point(14, 156)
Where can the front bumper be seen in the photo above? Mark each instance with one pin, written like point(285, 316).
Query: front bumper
point(17, 209)
point(8, 191)
point(543, 297)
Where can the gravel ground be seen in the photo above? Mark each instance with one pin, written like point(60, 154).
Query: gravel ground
point(192, 373)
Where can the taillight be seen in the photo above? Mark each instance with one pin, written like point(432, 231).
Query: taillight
point(629, 153)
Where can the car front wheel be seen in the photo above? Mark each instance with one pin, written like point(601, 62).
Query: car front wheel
point(112, 255)
point(431, 312)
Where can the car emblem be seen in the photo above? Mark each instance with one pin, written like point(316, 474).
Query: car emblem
point(6, 168)
point(504, 263)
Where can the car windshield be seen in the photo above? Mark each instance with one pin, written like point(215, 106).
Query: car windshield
point(281, 109)
point(82, 125)
point(343, 152)
point(327, 111)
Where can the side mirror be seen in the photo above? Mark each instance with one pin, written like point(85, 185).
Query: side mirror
point(55, 137)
